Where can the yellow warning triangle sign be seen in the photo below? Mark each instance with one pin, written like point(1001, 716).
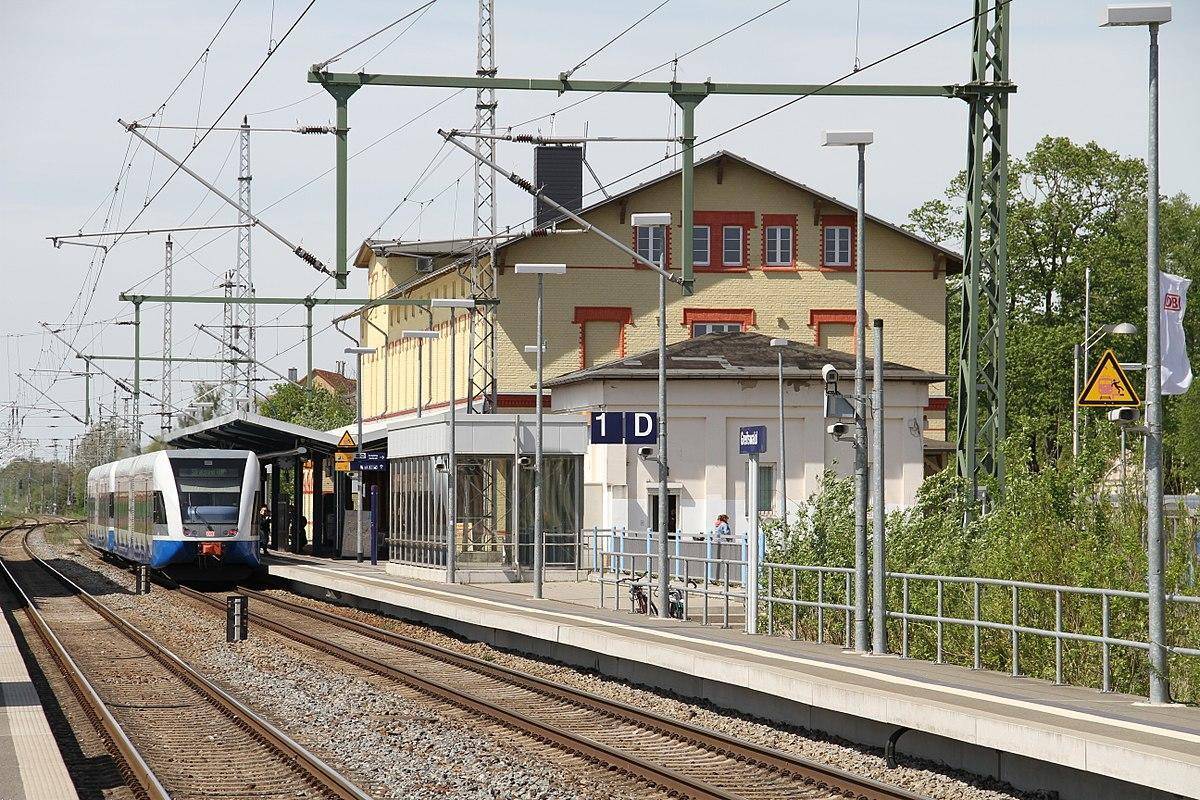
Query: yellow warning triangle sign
point(346, 441)
point(1108, 385)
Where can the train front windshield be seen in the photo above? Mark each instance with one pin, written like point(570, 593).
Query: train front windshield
point(210, 490)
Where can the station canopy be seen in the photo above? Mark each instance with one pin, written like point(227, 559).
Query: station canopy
point(242, 430)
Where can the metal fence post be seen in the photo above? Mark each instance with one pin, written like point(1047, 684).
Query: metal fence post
point(975, 627)
point(904, 619)
point(1105, 673)
point(1016, 657)
point(939, 622)
point(1057, 637)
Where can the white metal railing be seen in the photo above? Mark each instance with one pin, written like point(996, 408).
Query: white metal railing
point(696, 584)
point(705, 544)
point(978, 622)
point(783, 589)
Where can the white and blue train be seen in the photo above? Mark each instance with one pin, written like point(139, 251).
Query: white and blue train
point(178, 508)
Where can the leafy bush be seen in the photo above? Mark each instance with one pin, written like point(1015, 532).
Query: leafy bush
point(1070, 524)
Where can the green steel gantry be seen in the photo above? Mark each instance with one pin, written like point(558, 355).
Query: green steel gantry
point(981, 359)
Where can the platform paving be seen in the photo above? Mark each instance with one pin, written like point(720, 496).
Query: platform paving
point(31, 766)
point(1107, 735)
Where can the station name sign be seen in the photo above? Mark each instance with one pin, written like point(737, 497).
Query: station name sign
point(752, 439)
point(624, 427)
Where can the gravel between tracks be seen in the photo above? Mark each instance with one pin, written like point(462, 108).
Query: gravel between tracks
point(392, 741)
point(933, 780)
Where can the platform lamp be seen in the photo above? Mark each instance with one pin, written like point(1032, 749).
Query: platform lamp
point(539, 560)
point(420, 336)
point(656, 225)
point(860, 140)
point(452, 303)
point(358, 353)
point(1152, 15)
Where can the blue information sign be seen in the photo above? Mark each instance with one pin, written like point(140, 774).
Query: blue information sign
point(641, 427)
point(624, 427)
point(752, 439)
point(369, 466)
point(608, 427)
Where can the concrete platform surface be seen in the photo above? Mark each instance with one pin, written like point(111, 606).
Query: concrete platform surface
point(31, 766)
point(1028, 732)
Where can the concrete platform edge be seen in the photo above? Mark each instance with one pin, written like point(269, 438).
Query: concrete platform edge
point(1076, 763)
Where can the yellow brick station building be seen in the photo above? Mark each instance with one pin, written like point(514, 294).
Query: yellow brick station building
point(772, 256)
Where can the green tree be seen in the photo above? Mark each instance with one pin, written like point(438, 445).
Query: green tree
point(317, 409)
point(1072, 207)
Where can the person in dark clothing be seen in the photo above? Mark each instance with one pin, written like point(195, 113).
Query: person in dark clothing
point(264, 526)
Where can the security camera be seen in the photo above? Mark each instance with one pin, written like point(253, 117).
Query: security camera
point(838, 430)
point(440, 466)
point(646, 452)
point(829, 374)
point(525, 461)
point(1124, 415)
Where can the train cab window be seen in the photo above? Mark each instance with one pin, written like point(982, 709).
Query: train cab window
point(160, 509)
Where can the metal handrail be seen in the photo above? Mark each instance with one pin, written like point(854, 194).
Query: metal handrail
point(1014, 626)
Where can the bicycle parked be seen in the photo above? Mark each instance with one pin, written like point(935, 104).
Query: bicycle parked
point(640, 599)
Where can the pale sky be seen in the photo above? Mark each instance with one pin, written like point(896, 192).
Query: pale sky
point(78, 66)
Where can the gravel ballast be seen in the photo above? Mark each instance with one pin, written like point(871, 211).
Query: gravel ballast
point(391, 740)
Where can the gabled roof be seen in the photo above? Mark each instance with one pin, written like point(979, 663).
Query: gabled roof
point(735, 356)
point(339, 382)
point(456, 247)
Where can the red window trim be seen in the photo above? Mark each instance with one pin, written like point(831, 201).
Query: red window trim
point(778, 221)
point(622, 315)
point(746, 316)
point(938, 404)
point(666, 249)
point(830, 316)
point(718, 220)
point(840, 220)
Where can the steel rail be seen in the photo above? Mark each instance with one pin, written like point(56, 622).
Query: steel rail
point(322, 775)
point(133, 766)
point(809, 772)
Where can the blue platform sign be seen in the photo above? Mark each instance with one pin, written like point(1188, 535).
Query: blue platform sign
point(752, 439)
point(608, 427)
point(370, 462)
point(624, 427)
point(641, 427)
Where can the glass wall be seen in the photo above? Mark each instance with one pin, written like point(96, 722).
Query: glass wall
point(487, 533)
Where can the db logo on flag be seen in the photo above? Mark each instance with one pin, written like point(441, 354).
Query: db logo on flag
point(1172, 302)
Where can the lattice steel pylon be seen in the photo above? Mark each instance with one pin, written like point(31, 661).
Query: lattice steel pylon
point(981, 360)
point(168, 290)
point(238, 374)
point(479, 271)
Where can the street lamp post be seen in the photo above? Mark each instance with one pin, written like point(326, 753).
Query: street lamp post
point(452, 303)
point(780, 345)
point(660, 222)
point(358, 353)
point(860, 140)
point(1152, 16)
point(539, 561)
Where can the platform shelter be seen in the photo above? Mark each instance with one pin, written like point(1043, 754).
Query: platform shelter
point(493, 530)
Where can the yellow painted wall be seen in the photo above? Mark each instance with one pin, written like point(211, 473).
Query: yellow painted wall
point(903, 288)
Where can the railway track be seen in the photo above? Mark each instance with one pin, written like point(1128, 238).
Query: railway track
point(173, 733)
point(680, 759)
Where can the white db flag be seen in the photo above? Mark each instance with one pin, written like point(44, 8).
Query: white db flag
point(1176, 369)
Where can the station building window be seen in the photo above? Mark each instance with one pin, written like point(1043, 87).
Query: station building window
point(837, 241)
point(650, 242)
point(601, 333)
point(700, 321)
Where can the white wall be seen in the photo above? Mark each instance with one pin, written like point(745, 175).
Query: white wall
point(705, 467)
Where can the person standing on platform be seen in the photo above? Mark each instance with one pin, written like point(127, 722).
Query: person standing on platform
point(264, 526)
point(721, 527)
